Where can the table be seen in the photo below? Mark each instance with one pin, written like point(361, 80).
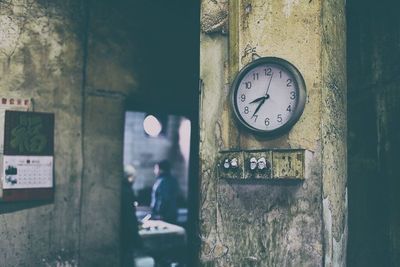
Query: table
point(164, 241)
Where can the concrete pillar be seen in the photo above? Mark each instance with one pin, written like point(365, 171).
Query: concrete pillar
point(109, 80)
point(272, 224)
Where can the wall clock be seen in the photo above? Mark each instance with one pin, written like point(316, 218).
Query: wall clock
point(268, 96)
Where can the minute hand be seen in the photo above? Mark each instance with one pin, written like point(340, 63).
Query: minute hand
point(258, 107)
point(266, 93)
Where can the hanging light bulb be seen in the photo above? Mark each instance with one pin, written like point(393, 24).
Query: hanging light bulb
point(152, 126)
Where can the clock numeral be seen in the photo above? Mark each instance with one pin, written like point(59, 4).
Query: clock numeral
point(246, 110)
point(289, 83)
point(292, 95)
point(280, 74)
point(255, 117)
point(268, 71)
point(279, 118)
point(248, 85)
point(242, 97)
point(266, 121)
point(255, 76)
point(289, 108)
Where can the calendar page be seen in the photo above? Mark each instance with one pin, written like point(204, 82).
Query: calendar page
point(27, 172)
point(9, 103)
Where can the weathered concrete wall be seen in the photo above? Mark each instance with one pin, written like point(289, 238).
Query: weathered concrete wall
point(374, 133)
point(109, 80)
point(334, 132)
point(41, 58)
point(70, 61)
point(272, 224)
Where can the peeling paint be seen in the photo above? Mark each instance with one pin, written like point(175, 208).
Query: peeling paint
point(214, 16)
point(60, 260)
point(9, 34)
point(333, 246)
point(327, 215)
point(248, 8)
point(288, 5)
point(340, 245)
point(213, 248)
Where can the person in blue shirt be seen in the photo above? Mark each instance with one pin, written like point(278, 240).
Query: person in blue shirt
point(164, 194)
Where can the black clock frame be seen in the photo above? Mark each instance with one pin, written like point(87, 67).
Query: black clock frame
point(300, 91)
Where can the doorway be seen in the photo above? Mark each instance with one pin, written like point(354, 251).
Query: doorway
point(167, 72)
point(150, 139)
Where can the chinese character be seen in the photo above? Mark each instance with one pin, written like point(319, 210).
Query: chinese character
point(27, 136)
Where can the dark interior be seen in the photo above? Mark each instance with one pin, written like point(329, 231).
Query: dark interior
point(167, 66)
point(373, 73)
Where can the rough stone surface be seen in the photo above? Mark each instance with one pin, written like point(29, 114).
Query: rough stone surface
point(214, 16)
point(213, 51)
point(41, 58)
point(271, 224)
point(334, 132)
point(44, 56)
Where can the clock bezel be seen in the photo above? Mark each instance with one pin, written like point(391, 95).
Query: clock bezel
point(300, 101)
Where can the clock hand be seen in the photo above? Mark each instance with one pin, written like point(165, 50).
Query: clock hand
point(266, 93)
point(263, 98)
point(257, 99)
point(266, 96)
point(259, 106)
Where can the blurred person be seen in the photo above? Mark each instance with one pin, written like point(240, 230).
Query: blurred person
point(130, 239)
point(164, 194)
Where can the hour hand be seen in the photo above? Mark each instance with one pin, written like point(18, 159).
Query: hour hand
point(258, 99)
point(258, 107)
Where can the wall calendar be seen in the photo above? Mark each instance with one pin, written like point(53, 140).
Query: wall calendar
point(27, 172)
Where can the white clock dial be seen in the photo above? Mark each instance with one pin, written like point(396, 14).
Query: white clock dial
point(268, 95)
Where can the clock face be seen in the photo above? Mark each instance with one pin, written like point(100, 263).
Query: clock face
point(268, 96)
